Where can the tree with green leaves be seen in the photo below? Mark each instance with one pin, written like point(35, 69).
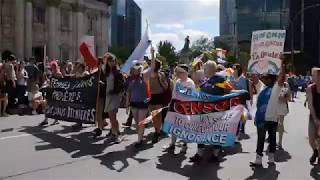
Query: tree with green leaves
point(203, 44)
point(167, 50)
point(122, 53)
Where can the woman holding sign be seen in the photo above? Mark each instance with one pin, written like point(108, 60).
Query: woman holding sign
point(185, 83)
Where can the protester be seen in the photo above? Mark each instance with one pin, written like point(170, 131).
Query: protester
point(100, 122)
point(128, 123)
point(197, 74)
point(10, 80)
point(69, 70)
point(22, 77)
point(158, 86)
point(56, 73)
point(283, 110)
point(81, 71)
point(266, 118)
point(33, 74)
point(313, 96)
point(240, 82)
point(114, 88)
point(214, 85)
point(137, 99)
point(3, 94)
point(184, 82)
point(36, 101)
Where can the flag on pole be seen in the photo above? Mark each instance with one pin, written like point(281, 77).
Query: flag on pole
point(139, 52)
point(87, 51)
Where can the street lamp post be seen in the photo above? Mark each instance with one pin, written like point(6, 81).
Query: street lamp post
point(290, 25)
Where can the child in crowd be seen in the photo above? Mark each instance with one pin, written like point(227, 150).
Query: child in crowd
point(36, 100)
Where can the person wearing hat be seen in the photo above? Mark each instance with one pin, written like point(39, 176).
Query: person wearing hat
point(138, 98)
point(184, 82)
point(266, 119)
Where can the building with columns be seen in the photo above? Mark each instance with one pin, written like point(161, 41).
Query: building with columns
point(27, 26)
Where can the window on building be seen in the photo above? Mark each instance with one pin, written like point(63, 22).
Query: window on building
point(39, 15)
point(65, 20)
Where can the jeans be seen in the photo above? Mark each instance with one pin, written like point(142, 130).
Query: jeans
point(271, 128)
point(21, 91)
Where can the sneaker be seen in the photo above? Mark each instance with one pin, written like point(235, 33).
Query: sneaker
point(43, 123)
point(184, 149)
point(196, 158)
point(155, 138)
point(34, 112)
point(314, 157)
point(257, 162)
point(280, 147)
point(271, 158)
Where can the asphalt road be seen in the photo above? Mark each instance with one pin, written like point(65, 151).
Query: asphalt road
point(56, 152)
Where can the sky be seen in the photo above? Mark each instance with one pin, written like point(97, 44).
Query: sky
point(173, 20)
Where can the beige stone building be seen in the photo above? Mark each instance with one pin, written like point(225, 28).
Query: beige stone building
point(26, 26)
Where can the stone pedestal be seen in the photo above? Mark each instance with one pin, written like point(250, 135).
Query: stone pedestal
point(28, 30)
point(19, 29)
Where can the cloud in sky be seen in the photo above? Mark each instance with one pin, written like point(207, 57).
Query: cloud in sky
point(173, 20)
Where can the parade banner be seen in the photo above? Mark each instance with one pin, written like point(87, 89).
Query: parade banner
point(202, 118)
point(266, 49)
point(73, 99)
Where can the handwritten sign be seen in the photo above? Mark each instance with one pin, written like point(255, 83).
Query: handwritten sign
point(266, 49)
point(73, 99)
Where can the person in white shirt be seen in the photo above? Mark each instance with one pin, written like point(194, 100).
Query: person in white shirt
point(266, 119)
point(283, 110)
point(181, 72)
point(36, 101)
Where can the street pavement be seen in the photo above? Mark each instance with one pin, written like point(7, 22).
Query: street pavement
point(56, 152)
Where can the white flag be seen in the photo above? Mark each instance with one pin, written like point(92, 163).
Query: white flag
point(139, 52)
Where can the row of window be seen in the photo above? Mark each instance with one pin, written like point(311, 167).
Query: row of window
point(39, 16)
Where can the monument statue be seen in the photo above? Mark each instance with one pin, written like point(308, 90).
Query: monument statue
point(186, 43)
point(185, 53)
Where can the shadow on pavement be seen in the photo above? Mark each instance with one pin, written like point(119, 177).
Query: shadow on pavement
point(204, 170)
point(282, 156)
point(261, 173)
point(315, 172)
point(77, 144)
point(109, 160)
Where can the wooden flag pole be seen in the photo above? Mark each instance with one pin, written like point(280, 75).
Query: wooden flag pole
point(99, 124)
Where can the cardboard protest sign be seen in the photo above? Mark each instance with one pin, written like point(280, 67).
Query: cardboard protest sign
point(201, 118)
point(73, 99)
point(266, 49)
